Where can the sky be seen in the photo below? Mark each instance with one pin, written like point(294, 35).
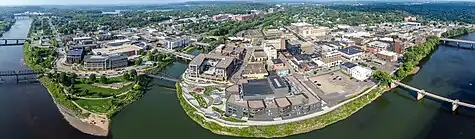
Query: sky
point(72, 2)
point(92, 2)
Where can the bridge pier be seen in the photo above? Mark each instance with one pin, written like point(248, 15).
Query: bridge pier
point(6, 41)
point(420, 95)
point(455, 105)
point(458, 44)
point(17, 41)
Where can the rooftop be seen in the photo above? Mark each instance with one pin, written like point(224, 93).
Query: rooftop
point(255, 68)
point(349, 65)
point(75, 52)
point(277, 61)
point(350, 50)
point(118, 49)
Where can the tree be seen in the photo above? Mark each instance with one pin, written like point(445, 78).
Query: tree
point(92, 77)
point(103, 79)
point(373, 68)
point(133, 74)
point(383, 77)
point(138, 61)
point(84, 81)
point(137, 87)
point(126, 76)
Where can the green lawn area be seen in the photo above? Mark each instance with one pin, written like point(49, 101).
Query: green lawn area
point(98, 106)
point(200, 99)
point(209, 89)
point(95, 91)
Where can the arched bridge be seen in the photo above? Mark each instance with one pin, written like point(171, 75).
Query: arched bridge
point(8, 42)
point(422, 93)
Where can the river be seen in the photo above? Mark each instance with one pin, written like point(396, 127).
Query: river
point(28, 111)
point(395, 115)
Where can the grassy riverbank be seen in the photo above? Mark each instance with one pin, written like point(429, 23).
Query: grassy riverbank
point(284, 129)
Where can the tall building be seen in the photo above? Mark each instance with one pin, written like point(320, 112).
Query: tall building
point(332, 59)
point(105, 62)
point(398, 47)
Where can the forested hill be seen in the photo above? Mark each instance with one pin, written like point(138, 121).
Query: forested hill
point(449, 11)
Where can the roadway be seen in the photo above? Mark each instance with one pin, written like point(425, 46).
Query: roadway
point(435, 96)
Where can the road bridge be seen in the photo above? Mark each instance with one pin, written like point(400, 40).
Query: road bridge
point(9, 42)
point(421, 94)
point(458, 42)
point(17, 73)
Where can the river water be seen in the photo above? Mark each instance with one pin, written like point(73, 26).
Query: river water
point(395, 115)
point(28, 111)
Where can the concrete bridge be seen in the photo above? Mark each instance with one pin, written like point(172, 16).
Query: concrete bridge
point(8, 42)
point(421, 94)
point(17, 73)
point(176, 54)
point(163, 77)
point(458, 42)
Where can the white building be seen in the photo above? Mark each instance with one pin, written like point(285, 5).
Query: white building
point(357, 72)
point(270, 51)
point(172, 43)
point(380, 46)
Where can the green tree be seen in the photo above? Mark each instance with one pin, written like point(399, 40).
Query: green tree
point(126, 76)
point(133, 74)
point(103, 79)
point(383, 77)
point(92, 77)
point(138, 61)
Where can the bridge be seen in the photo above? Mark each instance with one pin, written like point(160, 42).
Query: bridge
point(445, 40)
point(17, 73)
point(8, 42)
point(163, 77)
point(422, 93)
point(176, 54)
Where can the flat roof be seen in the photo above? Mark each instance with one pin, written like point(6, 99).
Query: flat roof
point(118, 49)
point(349, 65)
point(277, 82)
point(75, 52)
point(256, 88)
point(350, 50)
point(277, 61)
point(256, 104)
point(255, 68)
point(282, 102)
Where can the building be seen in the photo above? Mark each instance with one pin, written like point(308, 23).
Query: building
point(311, 31)
point(355, 71)
point(255, 71)
point(211, 68)
point(331, 59)
point(398, 47)
point(387, 56)
point(409, 18)
point(270, 51)
point(172, 43)
point(278, 44)
point(293, 47)
point(270, 99)
point(259, 55)
point(74, 56)
point(105, 62)
point(419, 40)
point(127, 49)
point(221, 17)
point(351, 53)
point(378, 45)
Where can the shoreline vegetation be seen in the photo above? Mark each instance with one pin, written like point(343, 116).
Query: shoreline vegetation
point(6, 25)
point(287, 129)
point(411, 66)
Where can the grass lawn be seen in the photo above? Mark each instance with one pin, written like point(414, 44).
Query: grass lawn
point(104, 91)
point(98, 106)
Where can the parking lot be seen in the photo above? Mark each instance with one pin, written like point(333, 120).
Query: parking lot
point(337, 82)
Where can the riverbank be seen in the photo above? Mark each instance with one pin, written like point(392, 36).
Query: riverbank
point(287, 129)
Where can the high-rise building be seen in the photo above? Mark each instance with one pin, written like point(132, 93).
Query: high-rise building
point(398, 47)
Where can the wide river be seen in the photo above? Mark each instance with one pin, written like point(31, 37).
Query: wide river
point(29, 112)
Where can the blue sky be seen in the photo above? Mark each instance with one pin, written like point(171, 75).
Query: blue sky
point(68, 2)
